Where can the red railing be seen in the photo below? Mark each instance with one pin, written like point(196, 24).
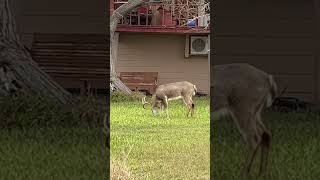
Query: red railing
point(155, 13)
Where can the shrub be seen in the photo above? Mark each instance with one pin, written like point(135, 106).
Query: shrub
point(119, 96)
point(26, 111)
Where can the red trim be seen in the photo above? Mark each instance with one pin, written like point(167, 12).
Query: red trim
point(161, 29)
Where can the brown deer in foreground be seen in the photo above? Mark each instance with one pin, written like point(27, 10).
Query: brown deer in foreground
point(167, 92)
point(243, 91)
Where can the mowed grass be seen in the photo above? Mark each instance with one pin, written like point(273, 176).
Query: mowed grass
point(158, 148)
point(295, 152)
point(40, 139)
point(50, 153)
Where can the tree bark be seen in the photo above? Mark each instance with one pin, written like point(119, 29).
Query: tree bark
point(20, 72)
point(114, 19)
point(114, 56)
point(122, 11)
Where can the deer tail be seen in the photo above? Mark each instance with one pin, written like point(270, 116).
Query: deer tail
point(273, 91)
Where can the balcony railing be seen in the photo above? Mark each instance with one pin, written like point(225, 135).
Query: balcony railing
point(176, 13)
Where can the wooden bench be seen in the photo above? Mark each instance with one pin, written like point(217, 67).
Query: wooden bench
point(75, 61)
point(140, 80)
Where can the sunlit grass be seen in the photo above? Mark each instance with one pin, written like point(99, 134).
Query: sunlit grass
point(177, 148)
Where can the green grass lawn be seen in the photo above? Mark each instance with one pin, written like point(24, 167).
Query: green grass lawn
point(50, 153)
point(158, 148)
point(295, 152)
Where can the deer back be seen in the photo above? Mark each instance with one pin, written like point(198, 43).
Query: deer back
point(236, 85)
point(171, 90)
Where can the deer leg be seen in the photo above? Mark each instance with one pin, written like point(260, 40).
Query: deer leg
point(165, 106)
point(160, 106)
point(192, 106)
point(184, 101)
point(265, 146)
point(246, 123)
point(187, 103)
point(253, 144)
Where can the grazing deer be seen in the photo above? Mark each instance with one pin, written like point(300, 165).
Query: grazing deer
point(243, 91)
point(164, 93)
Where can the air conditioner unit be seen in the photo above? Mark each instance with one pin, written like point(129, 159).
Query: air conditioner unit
point(199, 45)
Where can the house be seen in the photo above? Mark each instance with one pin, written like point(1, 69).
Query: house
point(171, 39)
point(279, 37)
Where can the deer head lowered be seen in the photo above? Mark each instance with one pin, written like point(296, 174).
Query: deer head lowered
point(243, 91)
point(164, 93)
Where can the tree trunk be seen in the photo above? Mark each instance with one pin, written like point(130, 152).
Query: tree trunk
point(18, 71)
point(122, 11)
point(114, 56)
point(114, 19)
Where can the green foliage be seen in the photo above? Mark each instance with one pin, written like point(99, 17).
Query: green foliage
point(26, 111)
point(90, 110)
point(119, 96)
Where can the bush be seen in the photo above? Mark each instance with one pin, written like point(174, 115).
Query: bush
point(119, 96)
point(26, 111)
